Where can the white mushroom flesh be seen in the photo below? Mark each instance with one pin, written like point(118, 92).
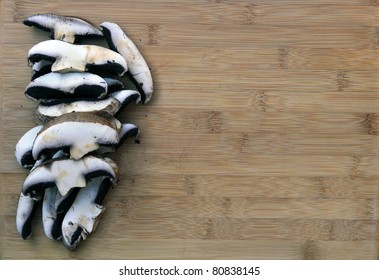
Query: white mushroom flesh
point(24, 215)
point(84, 214)
point(49, 213)
point(82, 135)
point(125, 95)
point(65, 28)
point(46, 111)
point(40, 68)
point(68, 83)
point(24, 147)
point(138, 67)
point(67, 173)
point(69, 58)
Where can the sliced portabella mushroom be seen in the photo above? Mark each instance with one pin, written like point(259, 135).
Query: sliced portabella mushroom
point(54, 208)
point(23, 150)
point(26, 208)
point(67, 174)
point(139, 71)
point(126, 97)
point(41, 68)
point(44, 67)
point(51, 109)
point(128, 130)
point(68, 57)
point(81, 132)
point(48, 110)
point(63, 27)
point(25, 212)
point(49, 214)
point(66, 85)
point(83, 217)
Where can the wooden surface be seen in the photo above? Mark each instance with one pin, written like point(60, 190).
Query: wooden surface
point(260, 142)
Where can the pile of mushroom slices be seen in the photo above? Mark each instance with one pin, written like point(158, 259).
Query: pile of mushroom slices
point(79, 92)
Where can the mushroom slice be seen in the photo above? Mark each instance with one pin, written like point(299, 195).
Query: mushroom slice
point(83, 217)
point(49, 214)
point(125, 97)
point(51, 109)
point(81, 132)
point(68, 57)
point(54, 208)
point(26, 209)
point(67, 174)
point(139, 71)
point(48, 110)
point(64, 85)
point(63, 27)
point(41, 68)
point(25, 212)
point(128, 130)
point(23, 150)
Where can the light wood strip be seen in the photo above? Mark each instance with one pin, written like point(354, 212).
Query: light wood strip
point(259, 58)
point(2, 223)
point(2, 231)
point(238, 229)
point(240, 144)
point(244, 59)
point(145, 207)
point(213, 12)
point(290, 80)
point(237, 208)
point(192, 122)
point(192, 249)
point(248, 144)
point(115, 224)
point(275, 100)
point(230, 186)
point(242, 186)
point(296, 250)
point(245, 164)
point(226, 35)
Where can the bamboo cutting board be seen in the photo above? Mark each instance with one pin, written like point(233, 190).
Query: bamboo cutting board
point(260, 142)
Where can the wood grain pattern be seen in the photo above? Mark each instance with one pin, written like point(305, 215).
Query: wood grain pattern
point(260, 142)
point(2, 224)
